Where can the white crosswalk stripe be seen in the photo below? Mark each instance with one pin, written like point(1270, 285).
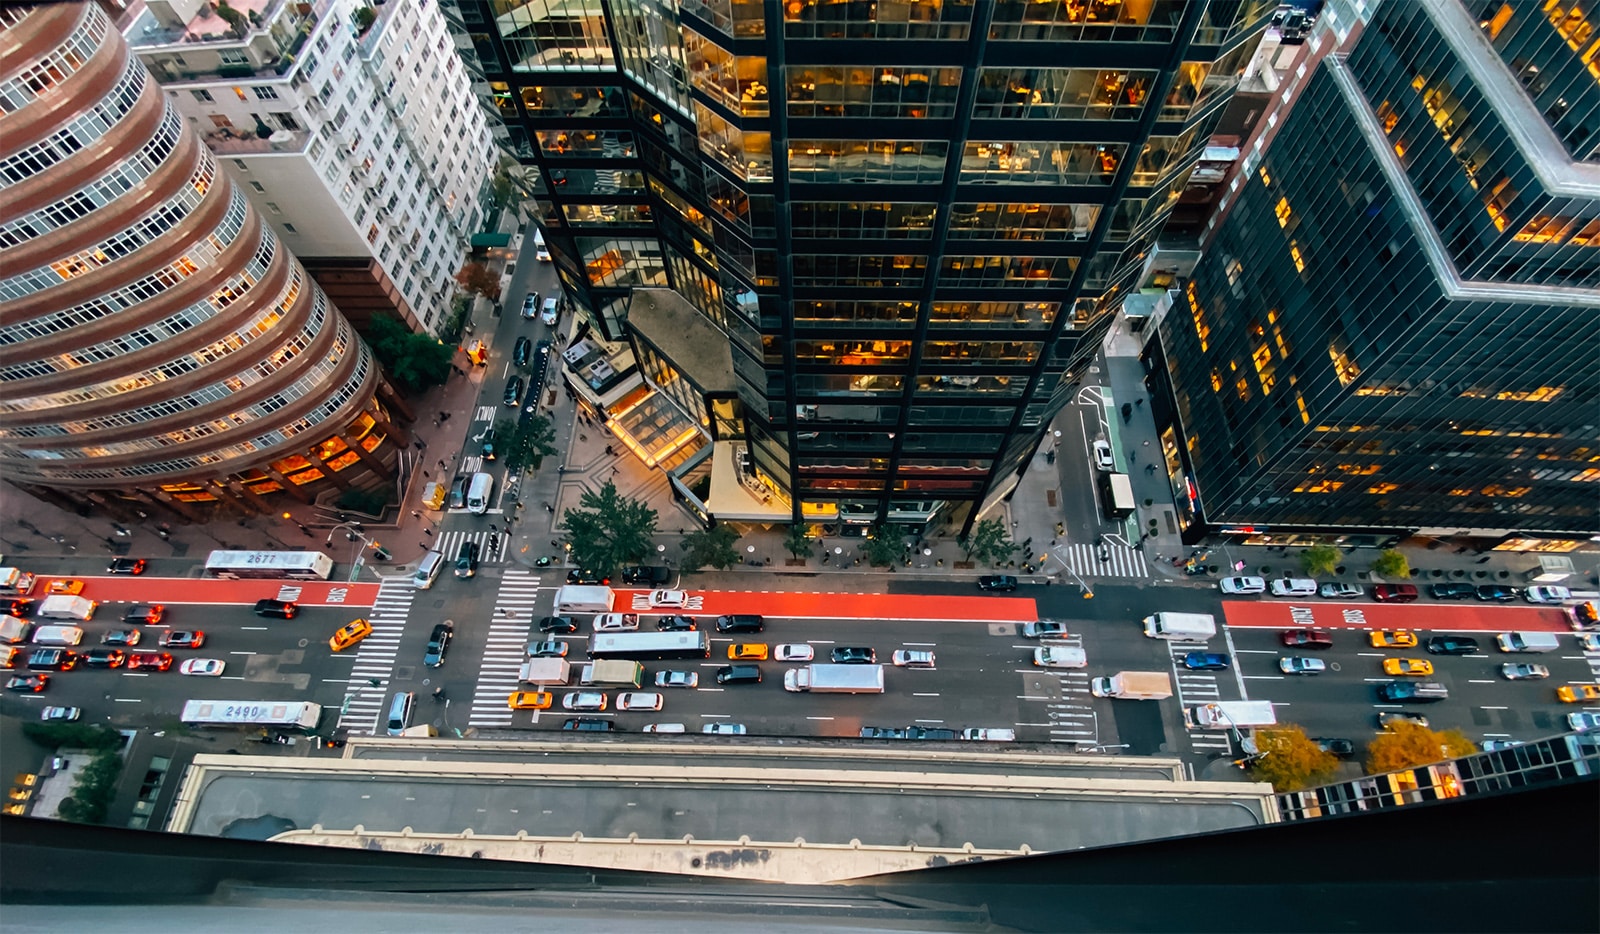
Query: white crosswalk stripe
point(506, 648)
point(1121, 561)
point(1211, 741)
point(375, 657)
point(491, 545)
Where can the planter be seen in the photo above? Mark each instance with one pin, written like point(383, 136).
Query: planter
point(796, 562)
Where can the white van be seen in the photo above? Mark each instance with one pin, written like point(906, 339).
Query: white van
point(1527, 642)
point(428, 570)
point(57, 635)
point(540, 251)
point(1190, 627)
point(400, 712)
point(1294, 587)
point(478, 493)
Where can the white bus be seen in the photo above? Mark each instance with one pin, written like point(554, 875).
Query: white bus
point(252, 713)
point(269, 565)
point(650, 645)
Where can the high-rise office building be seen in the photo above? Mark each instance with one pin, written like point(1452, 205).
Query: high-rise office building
point(159, 346)
point(352, 128)
point(1393, 328)
point(903, 220)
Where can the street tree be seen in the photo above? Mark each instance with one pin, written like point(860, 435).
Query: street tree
point(1320, 560)
point(1290, 760)
point(608, 530)
point(93, 791)
point(989, 543)
point(415, 362)
point(525, 443)
point(886, 545)
point(1403, 745)
point(479, 280)
point(1391, 565)
point(710, 548)
point(799, 541)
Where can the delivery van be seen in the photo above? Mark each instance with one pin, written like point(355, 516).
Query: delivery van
point(57, 635)
point(584, 598)
point(428, 570)
point(478, 493)
point(1191, 627)
point(63, 606)
point(1527, 642)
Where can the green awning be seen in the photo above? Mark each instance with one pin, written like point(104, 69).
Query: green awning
point(490, 240)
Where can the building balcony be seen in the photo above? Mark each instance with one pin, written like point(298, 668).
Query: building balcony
point(230, 142)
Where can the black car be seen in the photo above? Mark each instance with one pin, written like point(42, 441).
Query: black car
point(586, 576)
point(467, 560)
point(125, 566)
point(882, 732)
point(562, 624)
point(676, 623)
point(854, 655)
point(438, 642)
point(1457, 591)
point(739, 674)
point(1335, 746)
point(640, 574)
point(283, 609)
point(589, 725)
point(53, 660)
point(488, 445)
point(929, 732)
point(740, 622)
point(519, 354)
point(458, 493)
point(128, 637)
point(1451, 645)
point(513, 391)
point(21, 609)
point(104, 658)
point(997, 582)
point(144, 614)
point(1496, 593)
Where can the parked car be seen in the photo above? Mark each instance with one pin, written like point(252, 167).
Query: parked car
point(587, 576)
point(1338, 591)
point(646, 575)
point(549, 312)
point(675, 623)
point(64, 587)
point(1496, 593)
point(882, 732)
point(1206, 661)
point(1523, 671)
point(203, 667)
point(1386, 717)
point(1242, 585)
point(1547, 595)
point(530, 305)
point(905, 658)
point(1044, 629)
point(997, 582)
point(438, 643)
point(663, 728)
point(1301, 665)
point(677, 679)
point(929, 733)
point(1342, 748)
point(561, 624)
point(992, 735)
point(1496, 745)
point(1451, 645)
point(854, 655)
point(794, 652)
point(126, 566)
point(1307, 638)
point(724, 729)
point(676, 599)
point(1581, 721)
point(521, 351)
point(1103, 458)
point(282, 609)
point(1394, 593)
point(1452, 591)
point(589, 725)
point(1393, 639)
point(1293, 587)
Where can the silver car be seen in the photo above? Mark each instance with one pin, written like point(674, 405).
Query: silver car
point(583, 700)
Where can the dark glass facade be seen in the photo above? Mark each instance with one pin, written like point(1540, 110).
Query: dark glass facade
point(911, 218)
point(1394, 328)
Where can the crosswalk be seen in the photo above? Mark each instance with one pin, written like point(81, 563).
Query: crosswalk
point(506, 649)
point(491, 545)
point(1194, 688)
point(1085, 561)
point(374, 657)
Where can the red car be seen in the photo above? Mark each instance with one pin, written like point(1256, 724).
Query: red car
point(1307, 638)
point(1395, 593)
point(139, 661)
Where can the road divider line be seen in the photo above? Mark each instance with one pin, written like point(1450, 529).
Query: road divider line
point(241, 653)
point(128, 700)
point(818, 718)
point(924, 695)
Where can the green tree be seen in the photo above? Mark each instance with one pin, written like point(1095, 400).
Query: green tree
point(1320, 560)
point(363, 18)
point(799, 541)
point(526, 443)
point(416, 362)
point(710, 548)
point(366, 502)
point(75, 735)
point(609, 530)
point(886, 545)
point(93, 791)
point(989, 542)
point(1290, 760)
point(1391, 565)
point(479, 280)
point(1403, 745)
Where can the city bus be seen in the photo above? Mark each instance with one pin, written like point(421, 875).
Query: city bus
point(269, 565)
point(661, 645)
point(282, 714)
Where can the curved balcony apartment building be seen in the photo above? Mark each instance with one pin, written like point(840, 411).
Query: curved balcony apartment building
point(158, 344)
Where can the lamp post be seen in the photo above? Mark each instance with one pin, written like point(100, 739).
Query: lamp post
point(303, 530)
point(354, 532)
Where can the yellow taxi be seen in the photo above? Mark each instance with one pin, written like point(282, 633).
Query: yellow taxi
point(530, 700)
point(1420, 667)
point(1578, 693)
point(748, 651)
point(1394, 639)
point(349, 634)
point(65, 586)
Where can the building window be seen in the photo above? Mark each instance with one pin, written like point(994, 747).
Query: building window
point(202, 95)
point(257, 187)
point(265, 93)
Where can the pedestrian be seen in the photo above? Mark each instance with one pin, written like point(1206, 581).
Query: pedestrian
point(441, 463)
point(610, 451)
point(554, 543)
point(425, 473)
point(436, 423)
point(1138, 403)
point(549, 508)
point(614, 471)
point(438, 693)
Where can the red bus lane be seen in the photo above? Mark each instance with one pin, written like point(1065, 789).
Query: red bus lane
point(184, 590)
point(1442, 617)
point(896, 606)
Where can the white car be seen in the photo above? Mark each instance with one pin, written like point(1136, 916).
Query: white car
point(677, 679)
point(1102, 456)
point(206, 667)
point(1059, 656)
point(1583, 721)
point(639, 700)
point(905, 658)
point(1294, 587)
point(663, 728)
point(724, 729)
point(1302, 665)
point(530, 305)
point(60, 713)
point(1544, 594)
point(616, 622)
point(988, 735)
point(669, 598)
point(548, 313)
point(583, 700)
point(793, 652)
point(1242, 585)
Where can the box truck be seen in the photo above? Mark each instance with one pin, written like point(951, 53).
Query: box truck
point(57, 635)
point(62, 606)
point(14, 631)
point(545, 671)
point(584, 598)
point(835, 679)
point(1241, 714)
point(611, 673)
point(1527, 642)
point(1133, 685)
point(1189, 627)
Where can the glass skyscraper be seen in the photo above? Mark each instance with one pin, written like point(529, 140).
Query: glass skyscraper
point(1394, 328)
point(909, 220)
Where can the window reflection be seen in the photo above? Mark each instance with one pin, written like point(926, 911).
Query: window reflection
point(566, 144)
point(992, 221)
point(853, 220)
point(854, 91)
point(553, 34)
point(736, 82)
point(1061, 93)
point(885, 19)
point(1075, 20)
point(1011, 271)
point(600, 215)
point(731, 17)
point(615, 262)
point(1017, 314)
point(1006, 386)
point(749, 155)
point(855, 160)
point(573, 102)
point(1041, 163)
